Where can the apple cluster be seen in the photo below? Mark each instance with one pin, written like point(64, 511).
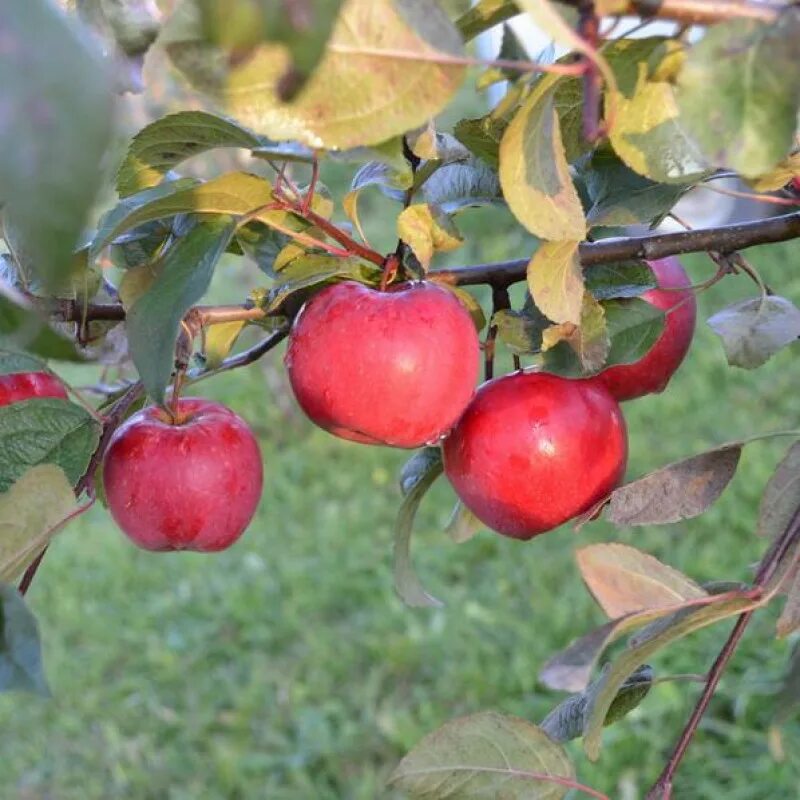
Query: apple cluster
point(525, 452)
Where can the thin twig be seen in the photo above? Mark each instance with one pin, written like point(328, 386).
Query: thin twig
point(770, 563)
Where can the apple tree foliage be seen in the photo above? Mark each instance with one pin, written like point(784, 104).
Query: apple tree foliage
point(610, 134)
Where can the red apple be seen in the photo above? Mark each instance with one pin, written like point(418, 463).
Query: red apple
point(534, 450)
point(189, 485)
point(651, 373)
point(28, 385)
point(395, 367)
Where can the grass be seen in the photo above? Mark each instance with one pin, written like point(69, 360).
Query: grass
point(286, 668)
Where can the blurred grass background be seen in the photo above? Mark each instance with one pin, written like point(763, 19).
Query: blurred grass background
point(286, 668)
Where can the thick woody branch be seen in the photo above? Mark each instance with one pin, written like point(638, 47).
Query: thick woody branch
point(725, 239)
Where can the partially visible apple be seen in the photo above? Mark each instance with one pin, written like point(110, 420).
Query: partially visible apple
point(395, 367)
point(534, 450)
point(193, 484)
point(651, 373)
point(28, 385)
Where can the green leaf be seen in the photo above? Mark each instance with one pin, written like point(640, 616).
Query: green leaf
point(240, 25)
point(485, 755)
point(634, 326)
point(534, 172)
point(752, 331)
point(459, 185)
point(26, 523)
point(611, 681)
point(781, 496)
point(789, 620)
point(463, 524)
point(520, 331)
point(483, 15)
point(788, 696)
point(619, 196)
point(45, 431)
point(566, 721)
point(748, 121)
point(56, 126)
point(235, 193)
point(647, 133)
point(20, 650)
point(621, 279)
point(12, 363)
point(589, 341)
point(312, 269)
point(165, 143)
point(555, 281)
point(357, 95)
point(681, 490)
point(426, 229)
point(22, 328)
point(416, 477)
point(154, 318)
point(623, 579)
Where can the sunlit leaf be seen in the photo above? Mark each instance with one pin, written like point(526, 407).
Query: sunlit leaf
point(555, 281)
point(426, 229)
point(534, 172)
point(624, 579)
point(485, 755)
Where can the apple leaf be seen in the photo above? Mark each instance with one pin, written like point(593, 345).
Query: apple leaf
point(788, 696)
point(165, 143)
point(647, 133)
point(183, 278)
point(219, 341)
point(23, 328)
point(571, 669)
point(416, 477)
point(426, 229)
point(485, 755)
point(463, 524)
point(240, 25)
point(534, 172)
point(623, 579)
point(566, 721)
point(681, 490)
point(748, 121)
point(752, 331)
point(235, 193)
point(520, 331)
point(555, 281)
point(313, 269)
point(633, 657)
point(779, 176)
point(13, 362)
point(357, 95)
point(589, 342)
point(56, 125)
point(485, 14)
point(620, 279)
point(45, 431)
point(789, 620)
point(781, 496)
point(619, 196)
point(26, 523)
point(462, 184)
point(20, 649)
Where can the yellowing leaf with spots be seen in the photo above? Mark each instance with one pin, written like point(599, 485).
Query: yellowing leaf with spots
point(555, 280)
point(534, 172)
point(427, 229)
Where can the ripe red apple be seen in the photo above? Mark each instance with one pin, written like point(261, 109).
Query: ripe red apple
point(28, 385)
point(395, 367)
point(189, 485)
point(651, 373)
point(534, 450)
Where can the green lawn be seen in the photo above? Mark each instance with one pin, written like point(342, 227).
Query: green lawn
point(286, 668)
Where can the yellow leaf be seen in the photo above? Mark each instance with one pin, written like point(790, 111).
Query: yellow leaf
point(534, 172)
point(350, 205)
point(425, 231)
point(777, 178)
point(31, 513)
point(219, 340)
point(555, 280)
point(136, 281)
